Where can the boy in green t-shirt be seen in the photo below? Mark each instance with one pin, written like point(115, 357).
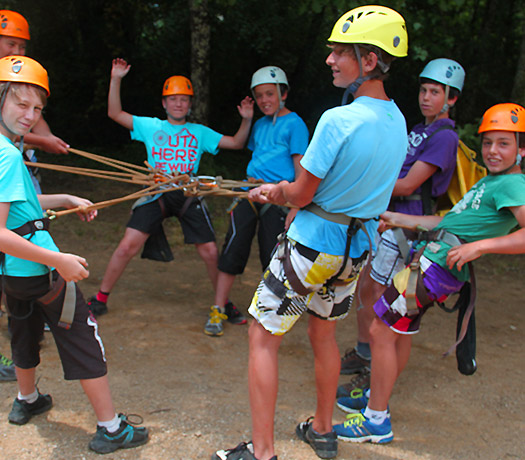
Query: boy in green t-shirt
point(482, 220)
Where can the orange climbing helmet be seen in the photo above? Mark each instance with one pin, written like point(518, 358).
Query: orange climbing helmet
point(177, 84)
point(503, 117)
point(13, 24)
point(23, 69)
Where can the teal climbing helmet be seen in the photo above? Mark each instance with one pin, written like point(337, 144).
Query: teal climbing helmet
point(446, 72)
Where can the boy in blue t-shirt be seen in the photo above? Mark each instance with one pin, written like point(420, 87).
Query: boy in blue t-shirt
point(35, 292)
point(478, 224)
point(347, 175)
point(425, 175)
point(278, 142)
point(173, 146)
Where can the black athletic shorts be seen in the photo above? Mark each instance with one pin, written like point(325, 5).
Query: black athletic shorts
point(244, 218)
point(80, 348)
point(195, 219)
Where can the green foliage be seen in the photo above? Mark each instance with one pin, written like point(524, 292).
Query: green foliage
point(77, 39)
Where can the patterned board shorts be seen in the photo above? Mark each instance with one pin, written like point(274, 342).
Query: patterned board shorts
point(277, 307)
point(392, 307)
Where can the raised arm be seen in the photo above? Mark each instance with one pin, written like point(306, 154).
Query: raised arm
point(238, 141)
point(119, 70)
point(42, 137)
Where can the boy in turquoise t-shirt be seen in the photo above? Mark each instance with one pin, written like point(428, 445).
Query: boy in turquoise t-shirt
point(482, 220)
point(174, 146)
point(35, 292)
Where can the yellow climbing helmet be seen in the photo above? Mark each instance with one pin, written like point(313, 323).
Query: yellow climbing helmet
point(373, 25)
point(177, 84)
point(13, 24)
point(23, 69)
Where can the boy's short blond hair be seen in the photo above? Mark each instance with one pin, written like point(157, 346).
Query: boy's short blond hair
point(15, 88)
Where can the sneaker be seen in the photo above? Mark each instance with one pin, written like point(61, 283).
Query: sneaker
point(353, 363)
point(324, 445)
point(97, 307)
point(214, 325)
point(354, 403)
point(7, 369)
point(244, 451)
point(126, 437)
point(234, 315)
point(358, 428)
point(361, 381)
point(22, 411)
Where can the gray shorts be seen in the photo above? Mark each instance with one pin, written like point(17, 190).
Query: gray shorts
point(387, 260)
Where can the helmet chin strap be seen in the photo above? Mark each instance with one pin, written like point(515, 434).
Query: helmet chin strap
point(281, 103)
point(354, 86)
point(446, 106)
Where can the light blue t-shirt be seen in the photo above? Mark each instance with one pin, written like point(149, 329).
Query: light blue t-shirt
point(357, 150)
point(172, 148)
point(273, 146)
point(17, 189)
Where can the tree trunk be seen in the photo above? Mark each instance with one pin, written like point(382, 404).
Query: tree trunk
point(200, 59)
point(518, 89)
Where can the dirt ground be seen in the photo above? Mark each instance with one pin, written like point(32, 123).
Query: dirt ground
point(191, 389)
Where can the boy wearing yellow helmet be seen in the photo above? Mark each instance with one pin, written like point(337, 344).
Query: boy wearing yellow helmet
point(173, 146)
point(347, 174)
point(35, 293)
point(479, 224)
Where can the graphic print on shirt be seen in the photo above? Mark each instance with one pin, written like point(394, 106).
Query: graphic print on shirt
point(176, 153)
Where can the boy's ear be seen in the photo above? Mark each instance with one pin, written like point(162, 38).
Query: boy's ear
point(369, 61)
point(452, 101)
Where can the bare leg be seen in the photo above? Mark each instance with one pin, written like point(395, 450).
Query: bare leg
point(369, 292)
point(210, 255)
point(327, 367)
point(26, 380)
point(263, 383)
point(128, 247)
point(97, 391)
point(224, 285)
point(390, 353)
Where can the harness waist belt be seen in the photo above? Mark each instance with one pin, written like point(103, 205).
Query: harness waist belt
point(336, 217)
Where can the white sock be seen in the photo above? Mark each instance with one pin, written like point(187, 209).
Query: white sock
point(376, 416)
point(111, 425)
point(30, 398)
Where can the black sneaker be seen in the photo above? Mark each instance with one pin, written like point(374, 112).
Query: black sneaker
point(22, 411)
point(127, 436)
point(234, 315)
point(244, 451)
point(7, 369)
point(97, 307)
point(353, 363)
point(324, 445)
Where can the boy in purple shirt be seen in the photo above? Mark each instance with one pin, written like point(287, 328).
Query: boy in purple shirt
point(425, 175)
